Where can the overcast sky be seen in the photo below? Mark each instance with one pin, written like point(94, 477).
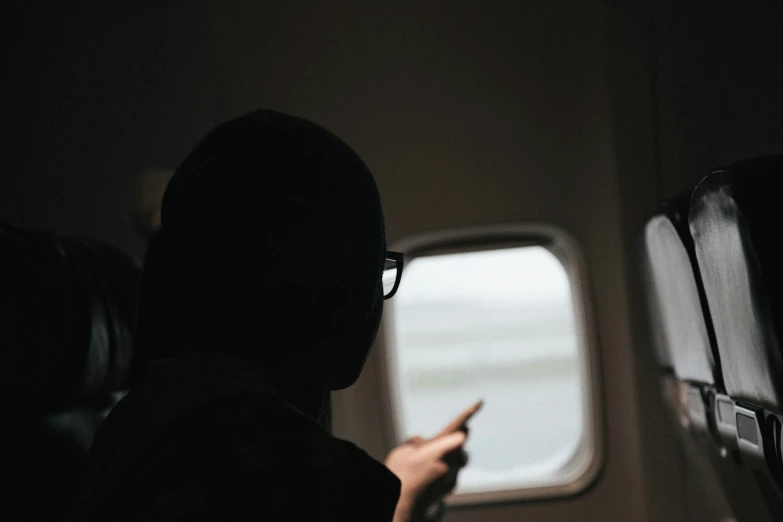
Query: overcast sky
point(515, 275)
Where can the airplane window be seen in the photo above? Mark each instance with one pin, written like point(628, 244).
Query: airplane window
point(497, 325)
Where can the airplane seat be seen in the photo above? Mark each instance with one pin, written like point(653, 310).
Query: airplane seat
point(67, 315)
point(670, 388)
point(735, 222)
point(684, 329)
point(681, 314)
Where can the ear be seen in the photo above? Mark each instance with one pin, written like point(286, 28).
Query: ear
point(349, 351)
point(143, 200)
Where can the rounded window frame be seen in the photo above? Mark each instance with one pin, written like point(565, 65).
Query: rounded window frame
point(565, 248)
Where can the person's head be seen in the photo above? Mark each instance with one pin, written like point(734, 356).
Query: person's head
point(271, 245)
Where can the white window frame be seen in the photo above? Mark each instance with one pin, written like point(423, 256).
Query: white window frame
point(564, 247)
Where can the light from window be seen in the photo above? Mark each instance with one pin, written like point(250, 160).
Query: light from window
point(496, 325)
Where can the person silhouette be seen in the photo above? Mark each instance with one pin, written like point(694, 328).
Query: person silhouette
point(263, 292)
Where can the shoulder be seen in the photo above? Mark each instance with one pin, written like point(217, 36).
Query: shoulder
point(254, 452)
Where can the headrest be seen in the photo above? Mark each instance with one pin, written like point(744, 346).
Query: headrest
point(735, 223)
point(685, 333)
point(67, 314)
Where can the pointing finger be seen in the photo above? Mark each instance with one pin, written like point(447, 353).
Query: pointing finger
point(460, 420)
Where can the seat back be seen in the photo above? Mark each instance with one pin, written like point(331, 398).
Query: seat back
point(735, 223)
point(687, 332)
point(685, 326)
point(680, 314)
point(67, 316)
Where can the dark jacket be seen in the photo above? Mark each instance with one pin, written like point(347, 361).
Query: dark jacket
point(204, 438)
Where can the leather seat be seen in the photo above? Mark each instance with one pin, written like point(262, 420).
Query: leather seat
point(679, 309)
point(735, 221)
point(686, 334)
point(67, 316)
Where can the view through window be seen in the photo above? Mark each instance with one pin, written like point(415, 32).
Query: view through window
point(496, 325)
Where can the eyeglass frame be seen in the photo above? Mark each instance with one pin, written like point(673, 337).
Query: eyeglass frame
point(398, 258)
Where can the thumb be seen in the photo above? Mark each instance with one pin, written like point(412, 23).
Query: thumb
point(439, 446)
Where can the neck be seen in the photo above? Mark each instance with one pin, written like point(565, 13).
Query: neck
point(307, 391)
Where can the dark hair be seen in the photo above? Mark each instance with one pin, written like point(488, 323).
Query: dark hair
point(272, 239)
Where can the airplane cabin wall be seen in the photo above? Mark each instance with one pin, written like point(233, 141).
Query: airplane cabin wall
point(719, 86)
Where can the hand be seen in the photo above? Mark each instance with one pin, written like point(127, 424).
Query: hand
point(428, 468)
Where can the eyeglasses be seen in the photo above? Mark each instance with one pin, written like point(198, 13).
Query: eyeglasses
point(392, 273)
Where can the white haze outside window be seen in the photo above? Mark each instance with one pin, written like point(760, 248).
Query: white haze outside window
point(496, 325)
